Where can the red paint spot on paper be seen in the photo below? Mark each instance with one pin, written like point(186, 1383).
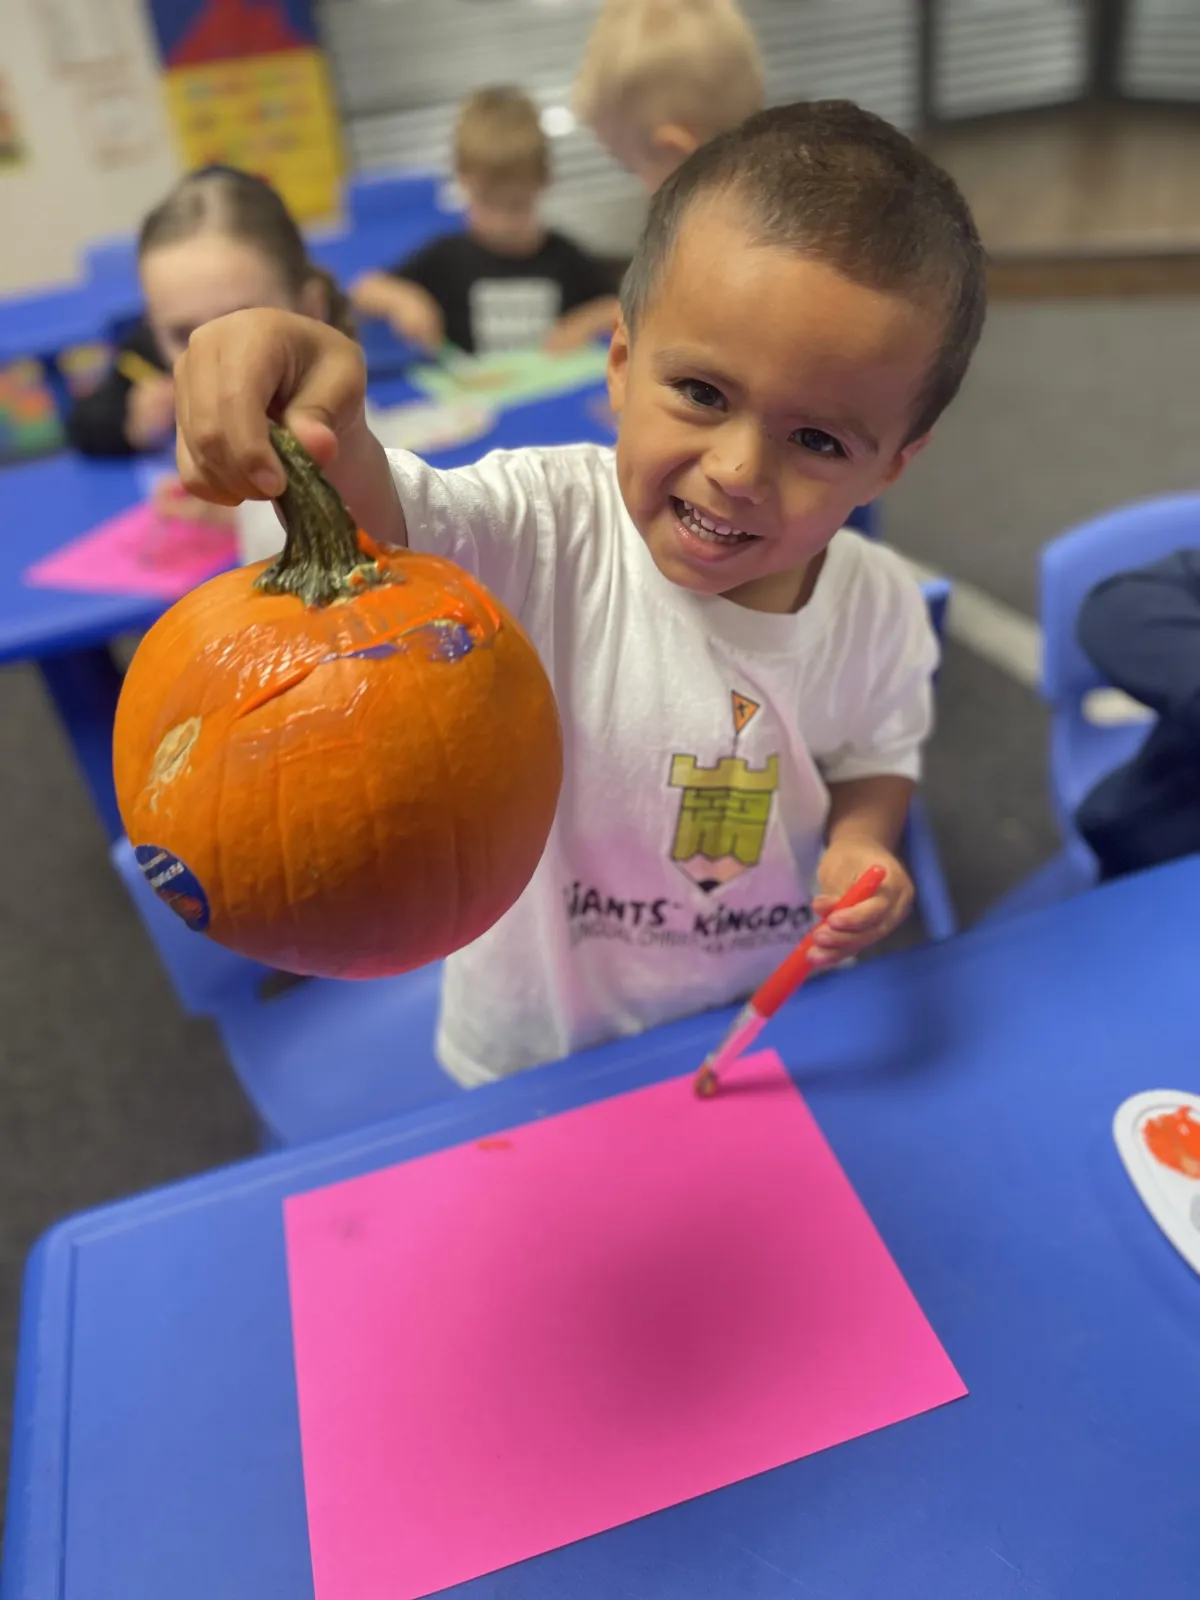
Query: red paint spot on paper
point(497, 1143)
point(1174, 1139)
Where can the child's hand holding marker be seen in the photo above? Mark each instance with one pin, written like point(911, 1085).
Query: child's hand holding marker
point(847, 932)
point(150, 412)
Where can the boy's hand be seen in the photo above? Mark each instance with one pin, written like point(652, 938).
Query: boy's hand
point(855, 929)
point(243, 368)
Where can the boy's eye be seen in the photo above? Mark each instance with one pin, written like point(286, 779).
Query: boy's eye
point(700, 393)
point(819, 443)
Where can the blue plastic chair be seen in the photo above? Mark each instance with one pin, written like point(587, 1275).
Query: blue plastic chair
point(324, 1057)
point(935, 904)
point(1082, 752)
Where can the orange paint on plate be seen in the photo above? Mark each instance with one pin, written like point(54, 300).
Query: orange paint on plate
point(1174, 1139)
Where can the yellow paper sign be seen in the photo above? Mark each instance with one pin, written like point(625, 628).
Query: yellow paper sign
point(272, 115)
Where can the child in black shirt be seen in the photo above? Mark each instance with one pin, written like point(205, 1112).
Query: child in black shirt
point(508, 281)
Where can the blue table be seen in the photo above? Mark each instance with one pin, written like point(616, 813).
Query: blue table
point(968, 1089)
point(43, 504)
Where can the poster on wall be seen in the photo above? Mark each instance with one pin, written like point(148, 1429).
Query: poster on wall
point(115, 117)
point(81, 33)
point(247, 85)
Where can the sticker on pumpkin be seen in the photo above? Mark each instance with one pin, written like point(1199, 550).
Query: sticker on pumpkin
point(175, 884)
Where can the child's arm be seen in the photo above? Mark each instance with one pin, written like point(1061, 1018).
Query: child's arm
point(866, 819)
point(243, 368)
point(411, 310)
point(594, 320)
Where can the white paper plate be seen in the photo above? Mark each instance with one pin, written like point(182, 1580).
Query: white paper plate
point(1158, 1137)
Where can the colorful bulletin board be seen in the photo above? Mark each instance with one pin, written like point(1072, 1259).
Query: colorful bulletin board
point(247, 85)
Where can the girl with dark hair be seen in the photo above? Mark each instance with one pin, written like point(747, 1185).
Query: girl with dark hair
point(221, 241)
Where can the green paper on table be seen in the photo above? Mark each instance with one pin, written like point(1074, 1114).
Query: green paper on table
point(511, 376)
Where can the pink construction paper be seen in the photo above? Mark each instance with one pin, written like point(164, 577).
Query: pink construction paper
point(139, 552)
point(510, 1345)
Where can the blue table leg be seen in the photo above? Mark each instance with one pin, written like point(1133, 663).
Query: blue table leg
point(84, 685)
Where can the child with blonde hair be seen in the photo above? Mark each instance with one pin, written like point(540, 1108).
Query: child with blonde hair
point(508, 281)
point(662, 77)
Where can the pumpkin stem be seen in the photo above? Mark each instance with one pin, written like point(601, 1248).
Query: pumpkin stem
point(321, 560)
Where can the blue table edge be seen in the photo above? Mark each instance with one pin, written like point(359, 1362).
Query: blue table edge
point(40, 1439)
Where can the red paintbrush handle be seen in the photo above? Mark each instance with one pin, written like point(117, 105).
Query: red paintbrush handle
point(791, 973)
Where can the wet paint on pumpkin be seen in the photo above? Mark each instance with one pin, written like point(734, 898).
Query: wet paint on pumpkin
point(466, 619)
point(1174, 1139)
point(445, 641)
point(175, 884)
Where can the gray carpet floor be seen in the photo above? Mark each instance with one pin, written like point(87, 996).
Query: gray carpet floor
point(1070, 408)
point(106, 1089)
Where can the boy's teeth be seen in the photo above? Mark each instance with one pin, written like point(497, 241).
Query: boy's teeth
point(710, 528)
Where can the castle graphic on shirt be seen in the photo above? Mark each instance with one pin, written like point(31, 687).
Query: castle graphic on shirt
point(724, 809)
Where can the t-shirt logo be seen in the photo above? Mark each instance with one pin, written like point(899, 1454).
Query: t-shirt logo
point(723, 816)
point(724, 809)
point(511, 313)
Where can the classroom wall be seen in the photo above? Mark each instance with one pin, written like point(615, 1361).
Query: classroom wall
point(80, 79)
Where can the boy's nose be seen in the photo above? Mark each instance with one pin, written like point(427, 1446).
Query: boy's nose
point(739, 469)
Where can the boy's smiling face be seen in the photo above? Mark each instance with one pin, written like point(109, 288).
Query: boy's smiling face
point(762, 397)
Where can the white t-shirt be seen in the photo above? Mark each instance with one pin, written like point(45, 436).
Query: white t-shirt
point(699, 739)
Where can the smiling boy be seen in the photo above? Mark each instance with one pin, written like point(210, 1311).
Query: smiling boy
point(744, 688)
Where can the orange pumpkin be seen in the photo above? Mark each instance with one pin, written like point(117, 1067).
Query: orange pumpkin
point(345, 762)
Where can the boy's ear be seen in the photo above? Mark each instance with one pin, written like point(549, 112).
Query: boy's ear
point(618, 365)
point(902, 458)
point(673, 142)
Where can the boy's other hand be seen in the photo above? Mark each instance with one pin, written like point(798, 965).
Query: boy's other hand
point(855, 929)
point(240, 370)
point(150, 412)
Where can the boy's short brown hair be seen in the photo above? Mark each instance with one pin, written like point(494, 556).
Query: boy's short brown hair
point(843, 187)
point(649, 63)
point(498, 140)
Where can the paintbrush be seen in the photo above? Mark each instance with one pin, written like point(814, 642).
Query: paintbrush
point(780, 986)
